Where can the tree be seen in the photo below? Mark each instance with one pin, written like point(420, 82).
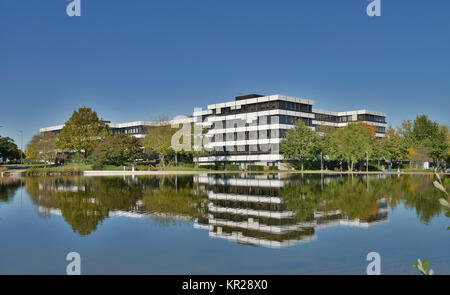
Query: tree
point(300, 143)
point(392, 146)
point(378, 151)
point(158, 140)
point(82, 132)
point(439, 144)
point(352, 142)
point(8, 149)
point(43, 147)
point(424, 131)
point(325, 143)
point(425, 135)
point(116, 150)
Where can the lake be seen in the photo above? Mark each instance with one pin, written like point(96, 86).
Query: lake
point(222, 224)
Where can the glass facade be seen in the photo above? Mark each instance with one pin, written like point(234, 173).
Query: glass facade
point(371, 118)
point(264, 106)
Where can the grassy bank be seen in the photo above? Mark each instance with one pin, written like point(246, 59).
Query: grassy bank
point(77, 169)
point(53, 171)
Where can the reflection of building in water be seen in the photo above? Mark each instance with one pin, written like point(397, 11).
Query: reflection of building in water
point(251, 211)
point(248, 210)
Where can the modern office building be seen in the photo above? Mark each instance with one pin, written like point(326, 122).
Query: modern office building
point(249, 129)
point(136, 129)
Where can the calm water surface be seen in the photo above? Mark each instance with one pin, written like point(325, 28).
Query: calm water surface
point(218, 224)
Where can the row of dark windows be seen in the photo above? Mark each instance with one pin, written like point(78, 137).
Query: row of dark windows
point(264, 106)
point(241, 150)
point(381, 129)
point(261, 134)
point(291, 120)
point(128, 130)
point(371, 118)
point(275, 119)
point(321, 128)
point(348, 118)
point(332, 119)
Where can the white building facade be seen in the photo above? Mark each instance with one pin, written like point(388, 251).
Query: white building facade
point(249, 129)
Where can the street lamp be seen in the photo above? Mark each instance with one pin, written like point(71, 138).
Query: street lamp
point(367, 161)
point(321, 162)
point(21, 146)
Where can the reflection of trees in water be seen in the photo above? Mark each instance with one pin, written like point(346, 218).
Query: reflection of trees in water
point(82, 211)
point(8, 187)
point(116, 193)
point(357, 198)
point(73, 197)
point(83, 202)
point(176, 202)
point(86, 202)
point(422, 197)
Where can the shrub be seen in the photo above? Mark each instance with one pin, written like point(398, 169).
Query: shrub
point(213, 167)
point(232, 167)
point(255, 168)
point(52, 171)
point(143, 168)
point(117, 150)
point(273, 168)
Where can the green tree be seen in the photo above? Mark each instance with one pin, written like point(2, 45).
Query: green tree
point(424, 131)
point(378, 151)
point(352, 142)
point(82, 132)
point(439, 145)
point(392, 146)
point(300, 143)
point(427, 136)
point(117, 150)
point(158, 140)
point(43, 147)
point(8, 149)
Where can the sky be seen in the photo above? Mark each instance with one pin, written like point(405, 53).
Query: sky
point(137, 60)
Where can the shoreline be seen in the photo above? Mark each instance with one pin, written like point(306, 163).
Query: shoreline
point(124, 173)
point(21, 172)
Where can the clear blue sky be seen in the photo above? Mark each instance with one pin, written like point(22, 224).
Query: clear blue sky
point(135, 60)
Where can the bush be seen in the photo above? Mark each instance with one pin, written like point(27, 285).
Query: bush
point(144, 168)
point(255, 168)
point(213, 167)
point(273, 168)
point(52, 171)
point(232, 167)
point(117, 150)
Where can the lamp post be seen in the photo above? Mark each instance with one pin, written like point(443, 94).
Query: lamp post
point(21, 147)
point(1, 158)
point(367, 162)
point(321, 162)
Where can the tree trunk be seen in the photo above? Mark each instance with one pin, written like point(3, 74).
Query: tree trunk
point(161, 158)
point(302, 165)
point(378, 164)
